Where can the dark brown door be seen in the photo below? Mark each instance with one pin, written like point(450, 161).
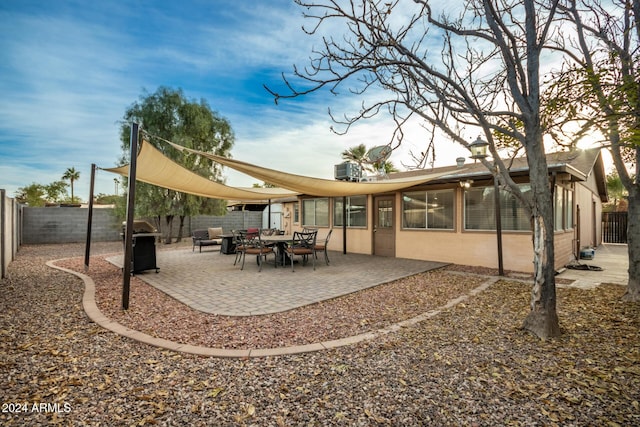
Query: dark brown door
point(384, 237)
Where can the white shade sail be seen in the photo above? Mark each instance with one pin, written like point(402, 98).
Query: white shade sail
point(155, 168)
point(315, 186)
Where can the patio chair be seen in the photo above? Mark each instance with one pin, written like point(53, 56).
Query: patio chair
point(249, 233)
point(250, 243)
point(237, 242)
point(322, 247)
point(302, 245)
point(268, 232)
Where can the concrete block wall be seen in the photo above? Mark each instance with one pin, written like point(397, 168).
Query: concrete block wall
point(236, 220)
point(68, 225)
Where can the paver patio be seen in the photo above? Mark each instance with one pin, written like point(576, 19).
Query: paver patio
point(209, 281)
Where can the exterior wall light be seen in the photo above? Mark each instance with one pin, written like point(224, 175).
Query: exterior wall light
point(466, 184)
point(478, 149)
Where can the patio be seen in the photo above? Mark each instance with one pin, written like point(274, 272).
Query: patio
point(209, 282)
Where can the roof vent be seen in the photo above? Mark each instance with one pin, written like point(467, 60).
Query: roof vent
point(460, 161)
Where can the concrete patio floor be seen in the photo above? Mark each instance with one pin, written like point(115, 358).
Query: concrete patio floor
point(209, 282)
point(614, 261)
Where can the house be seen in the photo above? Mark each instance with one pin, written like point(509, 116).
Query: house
point(453, 218)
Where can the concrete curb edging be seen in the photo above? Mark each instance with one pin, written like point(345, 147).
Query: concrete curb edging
point(95, 315)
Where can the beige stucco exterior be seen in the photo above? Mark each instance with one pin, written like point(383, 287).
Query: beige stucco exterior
point(473, 247)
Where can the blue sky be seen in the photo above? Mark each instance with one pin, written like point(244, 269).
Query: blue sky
point(69, 69)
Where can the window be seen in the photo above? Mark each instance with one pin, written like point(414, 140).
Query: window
point(428, 210)
point(356, 211)
point(296, 213)
point(558, 207)
point(562, 209)
point(479, 210)
point(568, 210)
point(315, 212)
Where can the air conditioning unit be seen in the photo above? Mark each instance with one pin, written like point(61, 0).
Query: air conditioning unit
point(347, 171)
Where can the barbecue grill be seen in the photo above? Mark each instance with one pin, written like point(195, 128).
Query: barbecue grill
point(143, 245)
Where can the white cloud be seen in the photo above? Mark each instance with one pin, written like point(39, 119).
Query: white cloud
point(71, 70)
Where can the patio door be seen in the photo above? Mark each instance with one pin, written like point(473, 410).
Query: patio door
point(384, 236)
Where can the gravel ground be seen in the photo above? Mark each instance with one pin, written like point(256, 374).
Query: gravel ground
point(470, 365)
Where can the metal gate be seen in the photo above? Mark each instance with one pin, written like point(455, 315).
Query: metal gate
point(614, 227)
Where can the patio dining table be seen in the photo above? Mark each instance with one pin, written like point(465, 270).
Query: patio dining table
point(280, 241)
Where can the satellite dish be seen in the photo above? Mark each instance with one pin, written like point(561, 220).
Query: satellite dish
point(379, 154)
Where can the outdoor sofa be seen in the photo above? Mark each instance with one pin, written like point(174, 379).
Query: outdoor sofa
point(206, 237)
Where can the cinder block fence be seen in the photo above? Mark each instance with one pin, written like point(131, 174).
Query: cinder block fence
point(69, 224)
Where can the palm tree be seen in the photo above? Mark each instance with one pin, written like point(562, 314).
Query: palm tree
point(71, 174)
point(357, 154)
point(387, 166)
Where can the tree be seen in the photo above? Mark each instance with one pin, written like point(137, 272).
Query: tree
point(602, 76)
point(32, 195)
point(72, 175)
point(358, 155)
point(387, 167)
point(168, 115)
point(56, 190)
point(615, 189)
point(38, 195)
point(485, 78)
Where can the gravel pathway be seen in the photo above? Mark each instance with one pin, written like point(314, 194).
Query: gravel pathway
point(469, 365)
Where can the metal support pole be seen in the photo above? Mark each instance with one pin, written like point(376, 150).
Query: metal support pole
point(344, 225)
point(87, 247)
point(3, 228)
point(128, 234)
point(496, 192)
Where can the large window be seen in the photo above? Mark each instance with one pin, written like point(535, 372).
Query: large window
point(315, 212)
point(356, 211)
point(480, 212)
point(428, 210)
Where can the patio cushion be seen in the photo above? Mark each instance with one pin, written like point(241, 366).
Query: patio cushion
point(214, 232)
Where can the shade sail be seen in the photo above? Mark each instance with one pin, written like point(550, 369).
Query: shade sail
point(155, 168)
point(315, 186)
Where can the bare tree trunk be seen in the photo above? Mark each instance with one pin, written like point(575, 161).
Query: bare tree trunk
point(633, 242)
point(167, 234)
point(543, 318)
point(157, 221)
point(180, 229)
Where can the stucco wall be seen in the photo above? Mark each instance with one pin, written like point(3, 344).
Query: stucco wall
point(10, 221)
point(477, 248)
point(590, 213)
